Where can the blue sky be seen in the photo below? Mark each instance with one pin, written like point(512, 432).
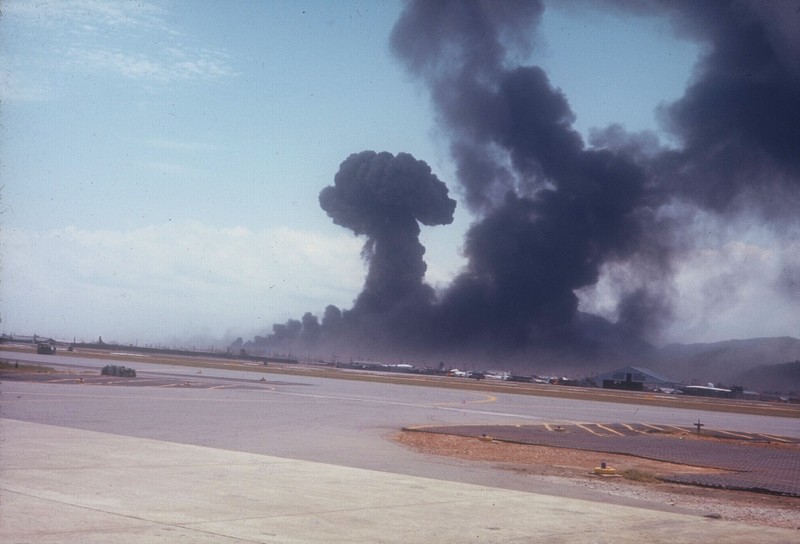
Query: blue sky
point(161, 161)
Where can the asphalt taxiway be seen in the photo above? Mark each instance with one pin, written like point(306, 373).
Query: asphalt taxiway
point(306, 459)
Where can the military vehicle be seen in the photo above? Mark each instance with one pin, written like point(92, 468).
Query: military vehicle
point(114, 370)
point(43, 348)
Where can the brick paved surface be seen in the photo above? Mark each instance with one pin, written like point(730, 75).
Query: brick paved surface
point(757, 462)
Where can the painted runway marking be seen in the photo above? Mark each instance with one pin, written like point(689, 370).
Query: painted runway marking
point(610, 430)
point(746, 437)
point(773, 437)
point(587, 429)
point(631, 428)
point(653, 427)
point(487, 398)
point(679, 429)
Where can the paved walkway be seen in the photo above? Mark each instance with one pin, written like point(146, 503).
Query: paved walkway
point(757, 462)
point(61, 485)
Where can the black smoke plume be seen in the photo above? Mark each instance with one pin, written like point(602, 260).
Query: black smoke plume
point(739, 120)
point(384, 198)
point(552, 211)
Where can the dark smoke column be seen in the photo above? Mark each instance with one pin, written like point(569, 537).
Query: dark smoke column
point(550, 211)
point(385, 197)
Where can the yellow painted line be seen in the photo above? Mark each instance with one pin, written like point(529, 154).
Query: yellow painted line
point(609, 429)
point(587, 429)
point(420, 427)
point(773, 437)
point(486, 399)
point(745, 436)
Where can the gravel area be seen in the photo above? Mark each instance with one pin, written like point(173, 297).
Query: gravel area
point(636, 477)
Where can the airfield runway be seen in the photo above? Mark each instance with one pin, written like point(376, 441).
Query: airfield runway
point(227, 456)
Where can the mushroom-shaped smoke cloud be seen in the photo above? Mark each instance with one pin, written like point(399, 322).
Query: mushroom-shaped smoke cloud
point(385, 197)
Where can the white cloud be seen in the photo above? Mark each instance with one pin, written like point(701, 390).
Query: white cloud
point(156, 68)
point(162, 282)
point(132, 40)
point(88, 14)
point(128, 65)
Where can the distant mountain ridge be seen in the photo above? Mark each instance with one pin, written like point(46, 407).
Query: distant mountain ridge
point(782, 378)
point(728, 361)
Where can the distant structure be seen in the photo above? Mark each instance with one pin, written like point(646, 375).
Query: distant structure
point(633, 378)
point(711, 390)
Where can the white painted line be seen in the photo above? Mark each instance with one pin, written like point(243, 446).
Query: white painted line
point(745, 436)
point(609, 429)
point(679, 429)
point(653, 427)
point(631, 428)
point(773, 437)
point(587, 429)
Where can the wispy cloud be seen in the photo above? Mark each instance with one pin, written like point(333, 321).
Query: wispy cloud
point(152, 282)
point(132, 40)
point(161, 68)
point(83, 15)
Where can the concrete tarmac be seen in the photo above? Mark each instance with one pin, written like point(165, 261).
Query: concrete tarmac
point(64, 485)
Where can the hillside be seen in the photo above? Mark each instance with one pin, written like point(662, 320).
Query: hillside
point(782, 378)
point(724, 362)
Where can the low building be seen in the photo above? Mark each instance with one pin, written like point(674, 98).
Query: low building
point(707, 391)
point(633, 378)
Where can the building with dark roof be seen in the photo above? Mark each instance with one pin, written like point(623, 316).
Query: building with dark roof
point(632, 378)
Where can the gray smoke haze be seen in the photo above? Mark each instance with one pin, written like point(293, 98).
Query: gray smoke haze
point(551, 210)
